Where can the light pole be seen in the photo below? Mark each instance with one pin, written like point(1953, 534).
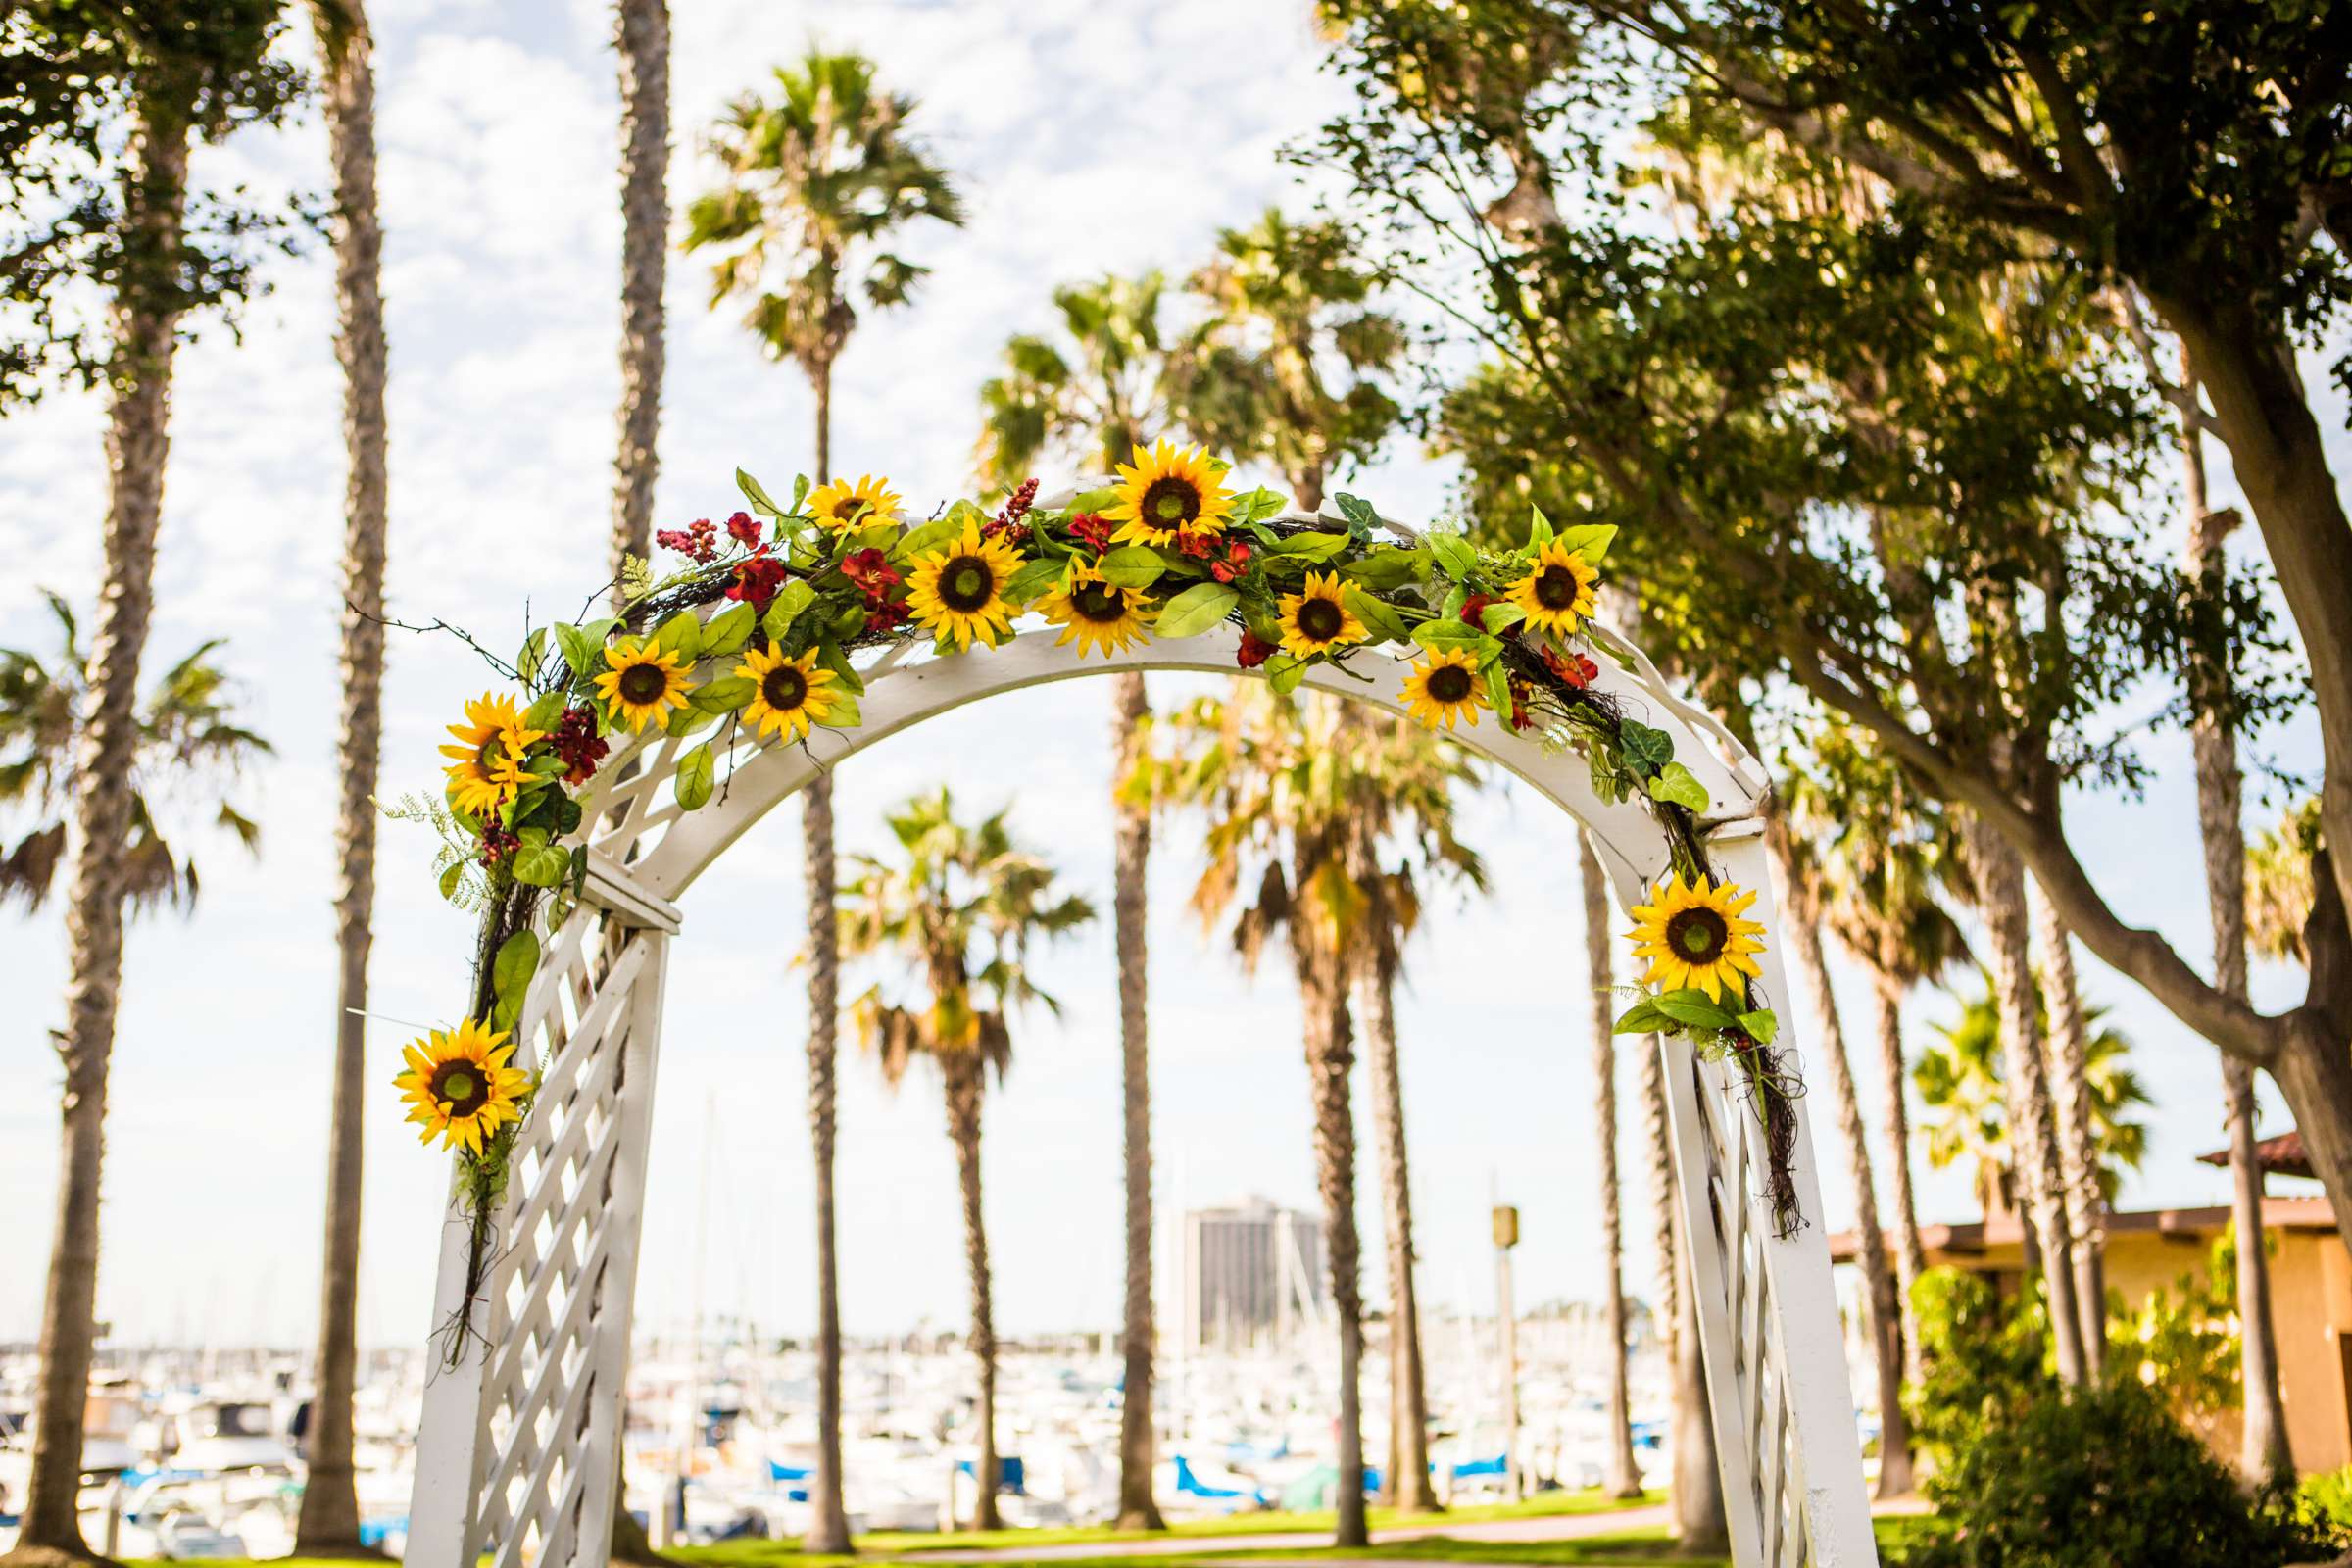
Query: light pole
point(1506, 1237)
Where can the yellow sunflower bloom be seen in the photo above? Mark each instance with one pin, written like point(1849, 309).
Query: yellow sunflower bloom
point(956, 592)
point(1694, 937)
point(1167, 491)
point(1094, 613)
point(793, 693)
point(459, 1085)
point(1445, 687)
point(486, 766)
point(844, 508)
point(1317, 620)
point(642, 683)
point(1557, 591)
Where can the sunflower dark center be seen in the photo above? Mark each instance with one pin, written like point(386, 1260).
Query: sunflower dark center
point(1101, 603)
point(642, 683)
point(1319, 620)
point(486, 761)
point(1449, 683)
point(1697, 936)
point(784, 688)
point(1557, 588)
point(460, 1086)
point(967, 584)
point(1170, 503)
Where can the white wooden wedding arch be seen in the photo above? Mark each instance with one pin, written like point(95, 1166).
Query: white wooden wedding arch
point(516, 1459)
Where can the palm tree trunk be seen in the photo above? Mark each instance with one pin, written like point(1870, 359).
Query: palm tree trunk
point(828, 1518)
point(642, 29)
point(1132, 855)
point(137, 441)
point(2079, 1160)
point(2001, 891)
point(1882, 1319)
point(1618, 1473)
point(1406, 1484)
point(330, 1507)
point(1329, 1058)
point(1700, 1526)
point(1911, 1252)
point(2263, 1453)
point(1659, 1139)
point(964, 1091)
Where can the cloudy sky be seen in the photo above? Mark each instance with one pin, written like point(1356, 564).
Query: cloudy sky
point(1090, 136)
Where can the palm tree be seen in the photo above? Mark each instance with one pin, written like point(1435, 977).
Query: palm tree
point(1287, 299)
point(1618, 1475)
point(642, 34)
point(957, 897)
point(2070, 1100)
point(819, 177)
point(71, 733)
point(1098, 398)
point(329, 1520)
point(1961, 1081)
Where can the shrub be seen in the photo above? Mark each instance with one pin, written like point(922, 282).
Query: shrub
point(2327, 1499)
point(2103, 1478)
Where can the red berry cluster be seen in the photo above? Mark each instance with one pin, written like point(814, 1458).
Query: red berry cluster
point(701, 540)
point(743, 529)
point(1009, 521)
point(577, 744)
point(1090, 529)
point(498, 840)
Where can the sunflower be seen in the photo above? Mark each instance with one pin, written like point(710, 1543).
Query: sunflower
point(487, 769)
point(792, 695)
point(643, 684)
point(1166, 492)
point(958, 592)
point(1445, 686)
point(1317, 620)
point(1557, 590)
point(1094, 613)
point(459, 1085)
point(845, 508)
point(1694, 936)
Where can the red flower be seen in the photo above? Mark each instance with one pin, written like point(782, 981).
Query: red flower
point(1474, 610)
point(1521, 719)
point(757, 579)
point(701, 540)
point(1254, 650)
point(870, 570)
point(1236, 561)
point(885, 615)
point(1575, 672)
point(1198, 546)
point(576, 742)
point(1089, 528)
point(741, 529)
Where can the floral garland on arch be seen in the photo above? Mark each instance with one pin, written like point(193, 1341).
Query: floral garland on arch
point(760, 621)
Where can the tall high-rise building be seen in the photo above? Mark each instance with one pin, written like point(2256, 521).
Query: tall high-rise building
point(1252, 1273)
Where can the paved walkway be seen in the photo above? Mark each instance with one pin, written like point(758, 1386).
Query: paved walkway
point(1549, 1527)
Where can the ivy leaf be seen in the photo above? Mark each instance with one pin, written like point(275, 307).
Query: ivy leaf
point(1693, 1009)
point(725, 695)
point(1646, 750)
point(1384, 623)
point(727, 631)
point(759, 499)
point(1450, 632)
point(697, 777)
point(1499, 618)
point(681, 634)
point(928, 536)
point(1678, 785)
point(1255, 507)
point(1312, 546)
point(578, 651)
point(453, 876)
point(1035, 578)
point(511, 970)
point(540, 863)
point(791, 599)
point(1642, 1019)
point(683, 722)
point(1386, 567)
point(1362, 519)
point(1453, 555)
point(1196, 609)
point(1132, 567)
point(1539, 529)
point(1592, 541)
point(1760, 1025)
point(844, 714)
point(834, 658)
point(1285, 674)
point(531, 655)
point(1498, 690)
point(546, 712)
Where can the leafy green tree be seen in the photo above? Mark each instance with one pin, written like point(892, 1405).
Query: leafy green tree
point(1288, 300)
point(819, 178)
point(957, 908)
point(1093, 395)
